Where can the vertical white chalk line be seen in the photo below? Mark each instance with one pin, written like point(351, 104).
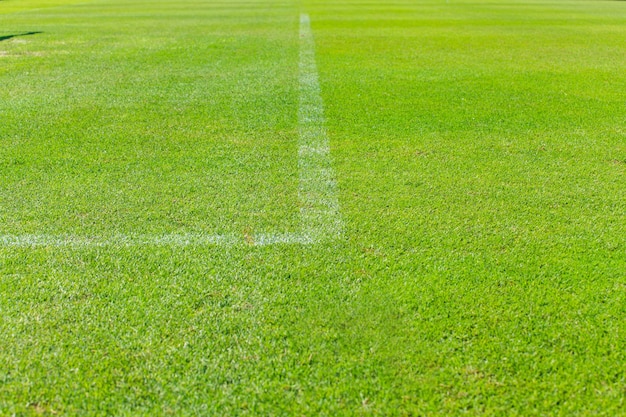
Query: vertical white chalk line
point(320, 216)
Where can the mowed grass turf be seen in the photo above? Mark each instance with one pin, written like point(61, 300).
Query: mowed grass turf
point(126, 118)
point(480, 155)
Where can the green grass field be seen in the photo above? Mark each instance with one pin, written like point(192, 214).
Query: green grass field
point(449, 240)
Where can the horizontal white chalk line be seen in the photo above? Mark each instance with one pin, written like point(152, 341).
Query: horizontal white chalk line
point(191, 239)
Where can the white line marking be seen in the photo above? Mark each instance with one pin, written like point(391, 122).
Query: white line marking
point(320, 218)
point(191, 239)
point(115, 240)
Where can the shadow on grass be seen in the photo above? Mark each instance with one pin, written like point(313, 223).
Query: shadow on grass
point(7, 37)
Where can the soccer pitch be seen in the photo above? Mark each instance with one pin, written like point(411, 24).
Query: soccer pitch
point(312, 208)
